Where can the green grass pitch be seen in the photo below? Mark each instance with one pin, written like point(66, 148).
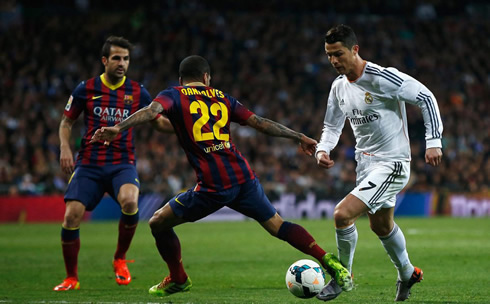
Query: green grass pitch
point(238, 262)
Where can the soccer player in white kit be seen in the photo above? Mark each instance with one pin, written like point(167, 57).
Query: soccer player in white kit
point(373, 99)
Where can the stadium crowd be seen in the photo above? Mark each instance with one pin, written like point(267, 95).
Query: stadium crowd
point(269, 55)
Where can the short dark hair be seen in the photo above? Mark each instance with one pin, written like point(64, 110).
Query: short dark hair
point(342, 33)
point(117, 41)
point(193, 68)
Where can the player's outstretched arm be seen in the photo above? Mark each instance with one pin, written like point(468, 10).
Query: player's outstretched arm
point(143, 115)
point(162, 124)
point(276, 129)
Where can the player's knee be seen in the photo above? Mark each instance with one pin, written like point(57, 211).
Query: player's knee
point(72, 220)
point(274, 224)
point(153, 222)
point(274, 233)
point(74, 212)
point(129, 205)
point(341, 217)
point(157, 222)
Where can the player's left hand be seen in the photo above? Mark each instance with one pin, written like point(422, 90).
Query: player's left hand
point(106, 134)
point(308, 144)
point(433, 156)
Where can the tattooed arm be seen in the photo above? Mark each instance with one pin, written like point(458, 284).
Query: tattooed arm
point(143, 115)
point(66, 156)
point(272, 128)
point(276, 129)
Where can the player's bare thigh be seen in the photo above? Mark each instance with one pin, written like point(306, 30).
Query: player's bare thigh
point(348, 210)
point(74, 211)
point(164, 219)
point(128, 198)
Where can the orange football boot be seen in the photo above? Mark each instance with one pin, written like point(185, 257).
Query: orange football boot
point(123, 277)
point(70, 283)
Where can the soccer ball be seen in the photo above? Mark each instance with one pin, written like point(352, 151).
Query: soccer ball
point(305, 278)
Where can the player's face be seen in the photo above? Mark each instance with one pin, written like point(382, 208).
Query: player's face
point(117, 64)
point(341, 58)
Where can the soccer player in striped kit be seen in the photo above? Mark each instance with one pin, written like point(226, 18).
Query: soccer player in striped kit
point(201, 116)
point(105, 100)
point(373, 99)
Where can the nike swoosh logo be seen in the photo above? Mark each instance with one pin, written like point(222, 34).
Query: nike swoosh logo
point(179, 202)
point(97, 97)
point(367, 188)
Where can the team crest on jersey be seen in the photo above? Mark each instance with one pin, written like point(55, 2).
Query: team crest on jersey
point(68, 104)
point(128, 99)
point(368, 98)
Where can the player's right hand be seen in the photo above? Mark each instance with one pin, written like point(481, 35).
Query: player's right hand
point(433, 156)
point(105, 134)
point(308, 144)
point(66, 160)
point(323, 160)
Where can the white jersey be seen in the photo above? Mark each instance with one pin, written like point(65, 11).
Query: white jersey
point(374, 104)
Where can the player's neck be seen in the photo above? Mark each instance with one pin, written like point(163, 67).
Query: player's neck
point(111, 80)
point(194, 84)
point(357, 70)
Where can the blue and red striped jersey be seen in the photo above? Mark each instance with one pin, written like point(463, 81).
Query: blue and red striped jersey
point(103, 105)
point(201, 118)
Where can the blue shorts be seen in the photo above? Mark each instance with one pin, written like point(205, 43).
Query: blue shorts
point(248, 198)
point(89, 183)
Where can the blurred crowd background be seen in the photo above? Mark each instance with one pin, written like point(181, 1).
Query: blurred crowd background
point(269, 55)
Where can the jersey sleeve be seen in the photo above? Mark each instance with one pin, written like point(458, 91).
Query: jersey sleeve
point(165, 99)
point(332, 124)
point(76, 102)
point(239, 113)
point(390, 81)
point(414, 92)
point(145, 99)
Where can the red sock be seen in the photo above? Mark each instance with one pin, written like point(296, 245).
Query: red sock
point(70, 255)
point(300, 239)
point(70, 244)
point(168, 245)
point(126, 233)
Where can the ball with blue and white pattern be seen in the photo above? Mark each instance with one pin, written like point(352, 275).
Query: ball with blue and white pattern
point(305, 278)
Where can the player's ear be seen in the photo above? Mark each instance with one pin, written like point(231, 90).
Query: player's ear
point(355, 49)
point(104, 60)
point(206, 79)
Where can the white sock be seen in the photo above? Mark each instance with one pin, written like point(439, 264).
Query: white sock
point(346, 244)
point(395, 245)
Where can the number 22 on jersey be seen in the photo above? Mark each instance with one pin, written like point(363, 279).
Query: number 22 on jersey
point(199, 135)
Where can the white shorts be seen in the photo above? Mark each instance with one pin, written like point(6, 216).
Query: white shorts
point(378, 182)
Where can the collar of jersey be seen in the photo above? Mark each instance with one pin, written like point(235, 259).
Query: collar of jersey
point(362, 73)
point(112, 86)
